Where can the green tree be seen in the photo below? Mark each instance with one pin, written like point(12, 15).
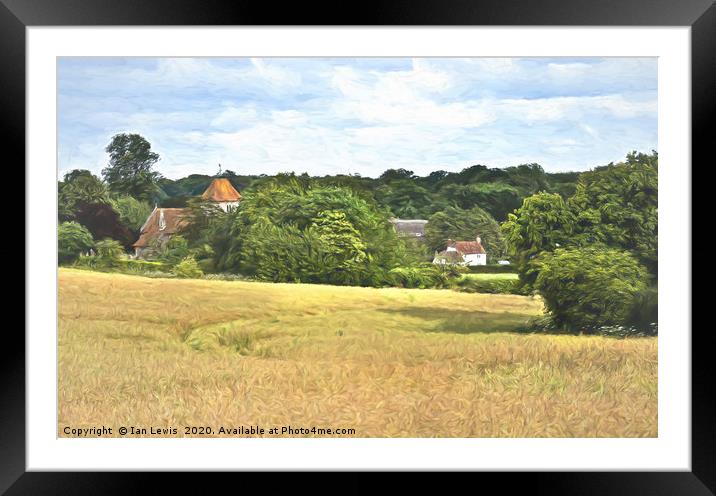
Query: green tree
point(342, 242)
point(73, 239)
point(529, 178)
point(406, 199)
point(282, 231)
point(498, 199)
point(283, 253)
point(132, 212)
point(616, 205)
point(543, 223)
point(130, 166)
point(458, 224)
point(79, 186)
point(396, 175)
point(584, 288)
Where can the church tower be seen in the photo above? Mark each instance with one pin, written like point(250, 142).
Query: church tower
point(222, 193)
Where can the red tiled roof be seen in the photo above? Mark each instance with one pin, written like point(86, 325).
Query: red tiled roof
point(468, 247)
point(221, 190)
point(174, 220)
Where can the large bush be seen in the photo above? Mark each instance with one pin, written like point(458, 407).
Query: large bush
point(585, 288)
point(73, 239)
point(109, 251)
point(294, 229)
point(187, 268)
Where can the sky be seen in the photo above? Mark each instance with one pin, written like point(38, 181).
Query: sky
point(357, 115)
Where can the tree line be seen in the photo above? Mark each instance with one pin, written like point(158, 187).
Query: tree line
point(585, 242)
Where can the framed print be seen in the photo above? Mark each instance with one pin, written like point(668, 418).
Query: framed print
point(421, 239)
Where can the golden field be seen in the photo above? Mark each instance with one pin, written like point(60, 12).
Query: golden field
point(144, 352)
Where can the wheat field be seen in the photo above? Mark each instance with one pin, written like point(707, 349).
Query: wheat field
point(165, 353)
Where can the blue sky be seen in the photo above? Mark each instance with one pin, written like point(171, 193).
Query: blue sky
point(358, 115)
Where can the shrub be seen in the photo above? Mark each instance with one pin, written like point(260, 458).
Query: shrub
point(109, 251)
point(423, 276)
point(587, 288)
point(492, 286)
point(492, 269)
point(140, 266)
point(73, 239)
point(84, 261)
point(187, 268)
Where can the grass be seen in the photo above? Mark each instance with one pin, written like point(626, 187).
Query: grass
point(147, 352)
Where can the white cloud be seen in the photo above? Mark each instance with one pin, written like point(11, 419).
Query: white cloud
point(403, 97)
point(235, 117)
point(548, 109)
point(275, 75)
point(339, 115)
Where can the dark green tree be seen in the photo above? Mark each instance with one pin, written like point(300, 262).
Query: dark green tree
point(528, 178)
point(129, 171)
point(616, 205)
point(543, 223)
point(79, 187)
point(498, 199)
point(406, 199)
point(396, 175)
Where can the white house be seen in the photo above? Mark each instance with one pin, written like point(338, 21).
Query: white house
point(462, 253)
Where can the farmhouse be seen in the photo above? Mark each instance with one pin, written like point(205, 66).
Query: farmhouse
point(414, 228)
point(462, 253)
point(163, 223)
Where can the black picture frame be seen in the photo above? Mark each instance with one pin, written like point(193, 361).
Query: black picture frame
point(16, 15)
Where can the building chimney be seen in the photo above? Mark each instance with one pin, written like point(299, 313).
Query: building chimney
point(162, 222)
point(478, 240)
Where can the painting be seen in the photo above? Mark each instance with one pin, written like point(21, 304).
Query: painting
point(367, 247)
